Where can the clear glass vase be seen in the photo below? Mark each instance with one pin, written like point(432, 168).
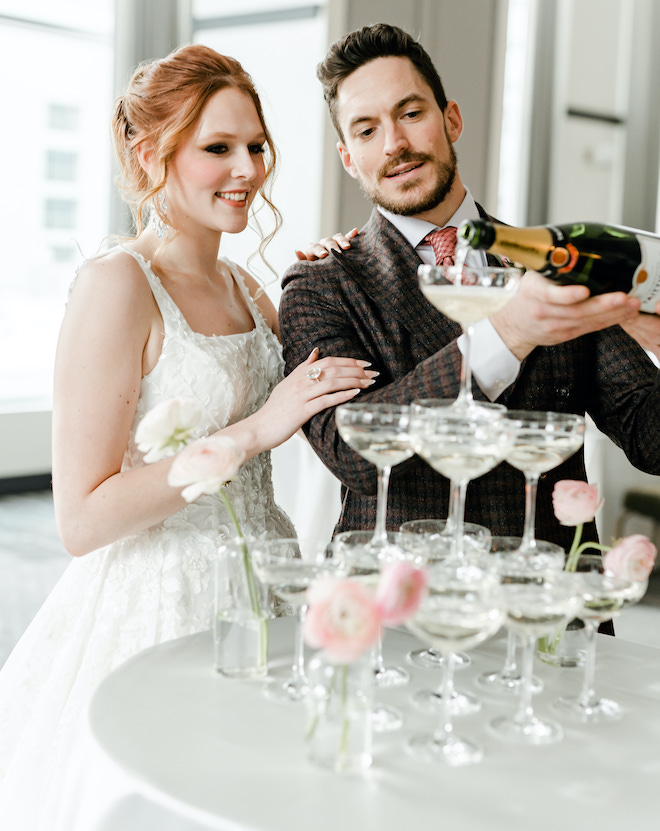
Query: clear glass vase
point(339, 705)
point(240, 629)
point(566, 648)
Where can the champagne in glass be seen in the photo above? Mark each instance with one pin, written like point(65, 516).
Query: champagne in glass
point(535, 606)
point(379, 433)
point(543, 441)
point(460, 448)
point(511, 566)
point(431, 538)
point(461, 611)
point(364, 562)
point(605, 596)
point(467, 294)
point(289, 567)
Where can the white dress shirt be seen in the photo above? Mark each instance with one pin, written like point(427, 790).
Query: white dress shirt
point(494, 367)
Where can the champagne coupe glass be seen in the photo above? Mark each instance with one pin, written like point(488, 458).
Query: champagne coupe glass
point(461, 610)
point(363, 562)
point(460, 448)
point(605, 596)
point(422, 406)
point(535, 606)
point(289, 567)
point(379, 433)
point(512, 566)
point(434, 544)
point(543, 441)
point(467, 294)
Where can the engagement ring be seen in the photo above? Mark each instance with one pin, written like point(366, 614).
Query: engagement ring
point(314, 373)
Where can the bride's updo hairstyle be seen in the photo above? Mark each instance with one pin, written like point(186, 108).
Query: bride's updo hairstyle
point(162, 103)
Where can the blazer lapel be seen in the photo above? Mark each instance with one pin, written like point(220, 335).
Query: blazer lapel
point(388, 274)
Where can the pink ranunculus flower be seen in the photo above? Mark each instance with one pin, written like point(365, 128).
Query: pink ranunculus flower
point(168, 427)
point(632, 558)
point(342, 619)
point(575, 502)
point(401, 589)
point(205, 466)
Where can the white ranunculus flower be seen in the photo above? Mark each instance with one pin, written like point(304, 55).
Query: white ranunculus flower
point(205, 466)
point(167, 428)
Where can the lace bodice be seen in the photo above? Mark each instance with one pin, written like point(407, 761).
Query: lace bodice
point(230, 376)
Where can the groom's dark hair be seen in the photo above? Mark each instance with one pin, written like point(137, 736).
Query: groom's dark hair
point(364, 45)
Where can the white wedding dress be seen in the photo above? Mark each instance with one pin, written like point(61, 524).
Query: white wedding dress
point(146, 588)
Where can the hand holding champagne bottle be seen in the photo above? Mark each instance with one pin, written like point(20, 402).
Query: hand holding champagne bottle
point(604, 258)
point(545, 312)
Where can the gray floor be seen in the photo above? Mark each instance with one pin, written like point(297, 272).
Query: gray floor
point(32, 558)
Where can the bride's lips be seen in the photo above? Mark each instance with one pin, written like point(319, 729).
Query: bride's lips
point(234, 198)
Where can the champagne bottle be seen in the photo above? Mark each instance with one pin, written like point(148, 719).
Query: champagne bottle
point(601, 257)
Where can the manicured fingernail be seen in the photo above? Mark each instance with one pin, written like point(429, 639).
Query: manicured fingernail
point(372, 373)
point(364, 363)
point(316, 349)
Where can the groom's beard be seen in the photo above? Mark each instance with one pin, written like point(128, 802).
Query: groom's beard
point(410, 204)
point(410, 201)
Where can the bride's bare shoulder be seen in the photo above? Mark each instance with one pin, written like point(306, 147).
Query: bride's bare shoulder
point(116, 272)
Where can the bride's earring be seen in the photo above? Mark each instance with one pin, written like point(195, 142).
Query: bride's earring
point(157, 223)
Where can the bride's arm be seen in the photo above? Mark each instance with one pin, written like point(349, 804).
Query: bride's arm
point(110, 327)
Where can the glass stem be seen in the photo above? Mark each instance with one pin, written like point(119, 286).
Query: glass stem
point(299, 658)
point(458, 506)
point(378, 663)
point(454, 505)
point(587, 693)
point(525, 712)
point(510, 668)
point(529, 535)
point(380, 532)
point(465, 390)
point(446, 728)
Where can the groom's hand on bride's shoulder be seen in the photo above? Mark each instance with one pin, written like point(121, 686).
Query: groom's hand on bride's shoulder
point(321, 249)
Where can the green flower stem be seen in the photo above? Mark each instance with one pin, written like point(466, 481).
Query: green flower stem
point(251, 584)
point(339, 675)
point(343, 744)
point(546, 644)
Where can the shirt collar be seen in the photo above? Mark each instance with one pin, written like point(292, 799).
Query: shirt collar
point(414, 230)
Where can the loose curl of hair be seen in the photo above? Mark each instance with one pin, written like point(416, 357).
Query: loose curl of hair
point(161, 105)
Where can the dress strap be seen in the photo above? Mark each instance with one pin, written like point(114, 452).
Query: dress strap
point(172, 317)
point(255, 311)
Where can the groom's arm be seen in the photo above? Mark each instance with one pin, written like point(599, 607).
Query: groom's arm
point(319, 308)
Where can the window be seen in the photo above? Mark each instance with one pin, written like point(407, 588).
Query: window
point(57, 173)
point(61, 117)
point(61, 165)
point(60, 213)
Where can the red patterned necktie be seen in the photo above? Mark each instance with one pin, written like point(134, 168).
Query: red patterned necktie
point(443, 242)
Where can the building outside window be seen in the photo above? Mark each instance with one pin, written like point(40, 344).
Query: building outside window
point(56, 61)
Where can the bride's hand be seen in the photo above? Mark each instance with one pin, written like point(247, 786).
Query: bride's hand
point(301, 395)
point(319, 250)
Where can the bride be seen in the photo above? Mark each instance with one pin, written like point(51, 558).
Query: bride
point(157, 317)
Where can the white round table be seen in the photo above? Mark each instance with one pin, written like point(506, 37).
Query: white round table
point(199, 750)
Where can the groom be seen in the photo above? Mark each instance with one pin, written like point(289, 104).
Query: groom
point(551, 348)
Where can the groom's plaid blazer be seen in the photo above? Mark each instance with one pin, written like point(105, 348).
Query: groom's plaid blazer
point(365, 303)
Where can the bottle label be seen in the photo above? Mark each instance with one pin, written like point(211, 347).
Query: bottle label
point(646, 279)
